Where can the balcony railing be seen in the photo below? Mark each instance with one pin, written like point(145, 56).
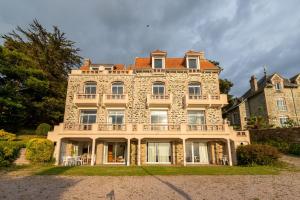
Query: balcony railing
point(115, 99)
point(205, 127)
point(78, 127)
point(86, 96)
point(112, 127)
point(206, 100)
point(81, 99)
point(159, 100)
point(161, 127)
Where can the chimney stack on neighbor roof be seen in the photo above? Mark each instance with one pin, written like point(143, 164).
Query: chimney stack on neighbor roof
point(202, 57)
point(86, 62)
point(253, 84)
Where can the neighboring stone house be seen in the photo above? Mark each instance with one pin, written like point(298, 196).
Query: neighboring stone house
point(273, 97)
point(159, 110)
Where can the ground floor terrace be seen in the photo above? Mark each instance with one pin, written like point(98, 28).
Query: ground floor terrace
point(144, 151)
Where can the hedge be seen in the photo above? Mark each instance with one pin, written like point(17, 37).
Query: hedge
point(6, 136)
point(43, 129)
point(39, 150)
point(257, 154)
point(9, 151)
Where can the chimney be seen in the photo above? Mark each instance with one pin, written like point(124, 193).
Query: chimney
point(253, 83)
point(86, 62)
point(201, 55)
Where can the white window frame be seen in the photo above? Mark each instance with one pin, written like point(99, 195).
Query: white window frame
point(200, 114)
point(117, 84)
point(285, 120)
point(188, 62)
point(193, 152)
point(105, 154)
point(90, 84)
point(118, 113)
point(194, 85)
point(81, 116)
point(163, 60)
point(281, 105)
point(156, 153)
point(160, 85)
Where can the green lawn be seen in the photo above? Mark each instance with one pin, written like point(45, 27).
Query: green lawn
point(146, 170)
point(157, 170)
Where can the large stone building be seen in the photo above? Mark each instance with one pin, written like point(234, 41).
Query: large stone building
point(159, 110)
point(273, 97)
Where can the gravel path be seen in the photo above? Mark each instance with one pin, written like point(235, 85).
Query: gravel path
point(284, 186)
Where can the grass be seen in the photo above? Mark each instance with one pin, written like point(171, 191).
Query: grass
point(142, 171)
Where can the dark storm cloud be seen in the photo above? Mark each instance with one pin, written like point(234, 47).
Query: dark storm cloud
point(242, 35)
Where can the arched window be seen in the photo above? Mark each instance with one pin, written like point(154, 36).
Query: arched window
point(194, 89)
point(158, 88)
point(117, 87)
point(90, 87)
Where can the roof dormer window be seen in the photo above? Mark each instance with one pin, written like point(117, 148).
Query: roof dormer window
point(278, 86)
point(192, 63)
point(158, 63)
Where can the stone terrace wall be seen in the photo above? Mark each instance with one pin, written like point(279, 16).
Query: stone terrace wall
point(290, 135)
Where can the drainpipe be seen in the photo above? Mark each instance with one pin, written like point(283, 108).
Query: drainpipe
point(295, 107)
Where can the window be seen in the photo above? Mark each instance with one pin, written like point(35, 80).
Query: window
point(283, 120)
point(194, 89)
point(278, 86)
point(159, 120)
point(117, 88)
point(158, 63)
point(158, 152)
point(116, 117)
point(88, 116)
point(90, 88)
point(196, 117)
point(196, 120)
point(281, 104)
point(114, 152)
point(95, 68)
point(158, 88)
point(196, 152)
point(192, 63)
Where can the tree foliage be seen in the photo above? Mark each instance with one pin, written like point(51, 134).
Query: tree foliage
point(34, 65)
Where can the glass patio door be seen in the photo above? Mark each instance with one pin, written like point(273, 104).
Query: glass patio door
point(159, 152)
point(115, 152)
point(196, 152)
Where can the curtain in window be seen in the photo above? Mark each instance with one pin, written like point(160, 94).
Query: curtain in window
point(163, 152)
point(203, 153)
point(196, 117)
point(151, 152)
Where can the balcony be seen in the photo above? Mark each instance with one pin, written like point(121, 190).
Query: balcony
point(86, 99)
point(115, 100)
point(112, 127)
point(161, 127)
point(206, 100)
point(205, 127)
point(159, 100)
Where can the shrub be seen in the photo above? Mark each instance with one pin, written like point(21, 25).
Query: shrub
point(6, 136)
point(295, 149)
point(9, 151)
point(43, 129)
point(39, 150)
point(281, 145)
point(257, 154)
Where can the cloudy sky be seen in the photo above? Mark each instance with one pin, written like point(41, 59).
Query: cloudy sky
point(243, 35)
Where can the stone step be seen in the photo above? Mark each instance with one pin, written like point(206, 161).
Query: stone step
point(21, 160)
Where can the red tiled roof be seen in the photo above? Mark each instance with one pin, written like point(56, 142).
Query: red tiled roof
point(119, 67)
point(84, 67)
point(172, 63)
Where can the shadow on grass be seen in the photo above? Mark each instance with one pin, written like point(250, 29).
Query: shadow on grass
point(54, 170)
point(170, 185)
